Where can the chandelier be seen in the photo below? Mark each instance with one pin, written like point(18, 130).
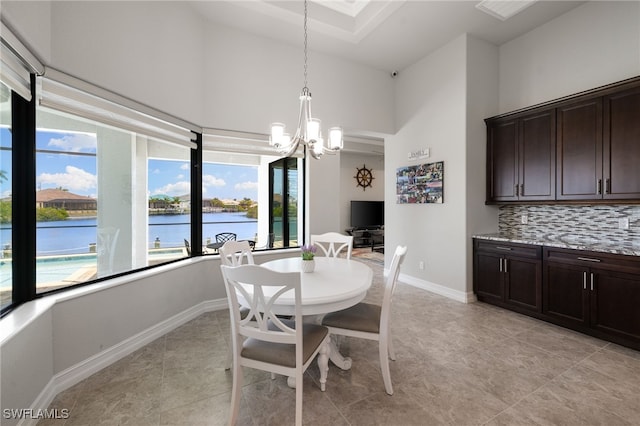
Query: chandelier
point(308, 132)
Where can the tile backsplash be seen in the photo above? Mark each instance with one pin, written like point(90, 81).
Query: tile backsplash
point(600, 222)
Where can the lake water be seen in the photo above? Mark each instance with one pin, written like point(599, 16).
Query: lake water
point(75, 235)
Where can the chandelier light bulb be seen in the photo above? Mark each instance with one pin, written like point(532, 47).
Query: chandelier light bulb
point(313, 129)
point(277, 132)
point(335, 138)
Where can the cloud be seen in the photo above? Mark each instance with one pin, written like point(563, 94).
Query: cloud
point(185, 166)
point(211, 180)
point(75, 142)
point(74, 179)
point(181, 176)
point(242, 186)
point(174, 189)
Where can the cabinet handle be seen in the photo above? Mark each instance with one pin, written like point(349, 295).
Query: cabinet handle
point(589, 259)
point(599, 186)
point(517, 190)
point(607, 186)
point(506, 263)
point(592, 281)
point(500, 264)
point(522, 189)
point(503, 248)
point(584, 280)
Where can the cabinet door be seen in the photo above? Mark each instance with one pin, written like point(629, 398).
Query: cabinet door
point(502, 161)
point(537, 165)
point(622, 145)
point(615, 303)
point(488, 277)
point(579, 151)
point(523, 283)
point(565, 297)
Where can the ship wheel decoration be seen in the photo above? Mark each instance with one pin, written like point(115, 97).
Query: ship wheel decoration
point(364, 177)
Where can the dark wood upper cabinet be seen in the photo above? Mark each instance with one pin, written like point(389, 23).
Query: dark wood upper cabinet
point(579, 151)
point(537, 157)
point(502, 160)
point(621, 145)
point(583, 147)
point(521, 157)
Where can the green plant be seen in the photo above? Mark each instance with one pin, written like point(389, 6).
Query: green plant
point(308, 252)
point(48, 214)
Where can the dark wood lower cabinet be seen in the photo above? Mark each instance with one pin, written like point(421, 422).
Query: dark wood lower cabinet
point(591, 292)
point(565, 297)
point(509, 275)
point(596, 293)
point(615, 303)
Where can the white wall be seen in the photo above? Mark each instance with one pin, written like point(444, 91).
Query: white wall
point(349, 189)
point(590, 46)
point(149, 52)
point(431, 112)
point(482, 102)
point(252, 82)
point(442, 101)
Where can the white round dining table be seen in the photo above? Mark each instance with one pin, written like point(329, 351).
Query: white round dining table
point(335, 284)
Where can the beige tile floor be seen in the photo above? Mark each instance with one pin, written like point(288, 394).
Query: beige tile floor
point(458, 364)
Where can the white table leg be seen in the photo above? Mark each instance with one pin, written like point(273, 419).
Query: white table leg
point(344, 363)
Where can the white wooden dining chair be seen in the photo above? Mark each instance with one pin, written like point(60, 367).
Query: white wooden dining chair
point(268, 342)
point(332, 243)
point(234, 253)
point(369, 321)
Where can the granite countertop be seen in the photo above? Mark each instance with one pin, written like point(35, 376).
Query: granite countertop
point(571, 241)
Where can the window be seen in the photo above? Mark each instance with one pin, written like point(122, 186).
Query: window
point(109, 198)
point(113, 191)
point(229, 202)
point(169, 207)
point(285, 218)
point(6, 285)
point(237, 175)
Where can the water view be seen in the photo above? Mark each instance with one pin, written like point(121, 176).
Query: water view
point(74, 236)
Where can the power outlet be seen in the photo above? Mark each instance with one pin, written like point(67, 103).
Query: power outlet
point(524, 219)
point(421, 265)
point(623, 223)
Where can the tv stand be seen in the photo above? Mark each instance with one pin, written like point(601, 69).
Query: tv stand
point(368, 237)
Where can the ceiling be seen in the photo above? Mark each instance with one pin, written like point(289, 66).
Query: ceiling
point(388, 35)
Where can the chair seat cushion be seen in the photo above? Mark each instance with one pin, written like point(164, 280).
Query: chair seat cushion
point(361, 317)
point(284, 354)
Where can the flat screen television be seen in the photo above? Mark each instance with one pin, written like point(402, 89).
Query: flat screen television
point(367, 214)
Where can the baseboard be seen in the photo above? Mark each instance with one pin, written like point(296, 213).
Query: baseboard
point(460, 296)
point(76, 373)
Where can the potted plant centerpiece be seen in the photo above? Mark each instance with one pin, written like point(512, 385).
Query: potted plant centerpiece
point(308, 253)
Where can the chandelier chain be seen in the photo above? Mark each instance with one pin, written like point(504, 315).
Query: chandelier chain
point(305, 44)
point(308, 133)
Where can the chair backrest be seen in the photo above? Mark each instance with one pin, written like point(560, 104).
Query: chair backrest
point(332, 243)
point(225, 236)
point(233, 253)
point(390, 285)
point(258, 289)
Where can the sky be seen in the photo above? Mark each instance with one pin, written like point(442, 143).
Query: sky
point(77, 172)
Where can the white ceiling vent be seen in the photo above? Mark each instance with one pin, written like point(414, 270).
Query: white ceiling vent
point(504, 9)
